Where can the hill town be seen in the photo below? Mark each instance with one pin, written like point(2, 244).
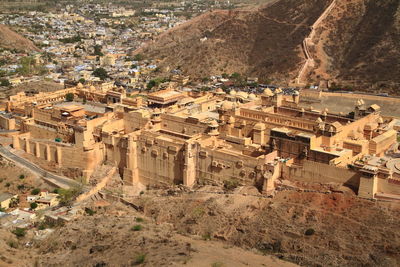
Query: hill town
point(104, 141)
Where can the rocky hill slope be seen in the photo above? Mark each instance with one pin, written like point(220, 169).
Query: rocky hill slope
point(12, 40)
point(357, 42)
point(361, 41)
point(263, 42)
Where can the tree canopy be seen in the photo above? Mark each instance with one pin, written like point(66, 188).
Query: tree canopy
point(101, 73)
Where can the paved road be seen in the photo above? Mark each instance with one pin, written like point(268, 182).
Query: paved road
point(60, 181)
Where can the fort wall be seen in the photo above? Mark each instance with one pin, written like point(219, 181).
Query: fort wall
point(63, 155)
point(388, 186)
point(315, 172)
point(159, 160)
point(7, 123)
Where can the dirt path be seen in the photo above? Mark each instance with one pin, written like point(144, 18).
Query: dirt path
point(308, 43)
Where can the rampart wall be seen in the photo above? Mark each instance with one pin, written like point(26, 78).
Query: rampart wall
point(315, 172)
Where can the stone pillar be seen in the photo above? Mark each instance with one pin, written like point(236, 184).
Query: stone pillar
point(189, 171)
point(59, 156)
point(230, 124)
point(16, 142)
point(28, 147)
point(48, 153)
point(259, 134)
point(37, 150)
point(271, 173)
point(86, 174)
point(131, 172)
point(368, 186)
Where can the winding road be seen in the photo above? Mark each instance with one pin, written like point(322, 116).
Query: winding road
point(56, 180)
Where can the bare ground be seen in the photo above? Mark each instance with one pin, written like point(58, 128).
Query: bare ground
point(306, 224)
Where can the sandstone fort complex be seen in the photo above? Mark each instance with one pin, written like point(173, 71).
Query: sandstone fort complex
point(186, 137)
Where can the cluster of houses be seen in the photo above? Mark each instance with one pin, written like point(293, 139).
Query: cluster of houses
point(18, 211)
point(75, 41)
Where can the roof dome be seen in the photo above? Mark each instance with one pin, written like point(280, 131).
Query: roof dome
point(232, 92)
point(226, 105)
point(92, 88)
point(243, 95)
point(79, 85)
point(213, 123)
point(268, 92)
point(252, 96)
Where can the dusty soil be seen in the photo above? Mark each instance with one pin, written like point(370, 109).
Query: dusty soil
point(12, 40)
point(359, 42)
point(107, 238)
point(10, 179)
point(305, 224)
point(348, 231)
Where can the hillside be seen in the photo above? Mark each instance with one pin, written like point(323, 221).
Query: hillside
point(356, 43)
point(327, 227)
point(263, 42)
point(361, 39)
point(12, 40)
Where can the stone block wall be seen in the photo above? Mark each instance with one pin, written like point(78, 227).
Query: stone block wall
point(316, 172)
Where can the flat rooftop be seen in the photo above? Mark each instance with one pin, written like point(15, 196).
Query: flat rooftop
point(205, 116)
point(87, 107)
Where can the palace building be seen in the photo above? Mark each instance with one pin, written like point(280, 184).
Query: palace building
point(186, 137)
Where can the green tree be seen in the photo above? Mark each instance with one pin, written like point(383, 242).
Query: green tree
point(151, 84)
point(235, 76)
point(97, 50)
point(155, 82)
point(34, 205)
point(67, 196)
point(82, 80)
point(4, 82)
point(139, 259)
point(73, 39)
point(69, 97)
point(137, 227)
point(19, 232)
point(90, 212)
point(101, 73)
point(35, 191)
point(26, 67)
point(138, 57)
